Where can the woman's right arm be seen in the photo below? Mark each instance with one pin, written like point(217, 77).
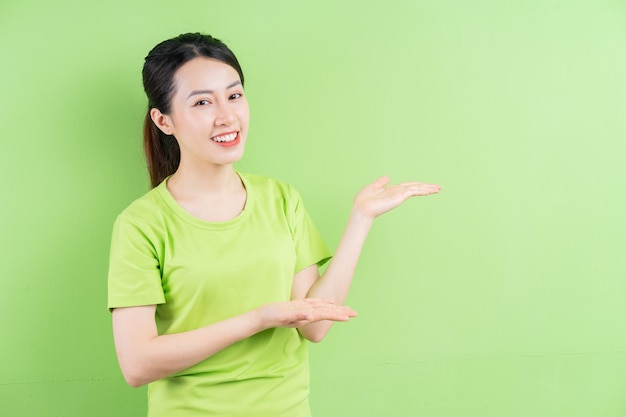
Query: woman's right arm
point(145, 356)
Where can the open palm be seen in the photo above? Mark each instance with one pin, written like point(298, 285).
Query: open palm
point(378, 197)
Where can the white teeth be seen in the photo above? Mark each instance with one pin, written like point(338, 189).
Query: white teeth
point(225, 138)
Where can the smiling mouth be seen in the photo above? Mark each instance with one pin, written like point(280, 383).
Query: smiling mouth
point(225, 138)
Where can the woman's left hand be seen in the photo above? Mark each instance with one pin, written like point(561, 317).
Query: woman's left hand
point(379, 197)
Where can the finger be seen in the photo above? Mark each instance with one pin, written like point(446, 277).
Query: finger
point(336, 316)
point(335, 313)
point(423, 189)
point(322, 311)
point(311, 305)
point(318, 306)
point(420, 185)
point(381, 182)
point(319, 301)
point(411, 183)
point(302, 316)
point(315, 300)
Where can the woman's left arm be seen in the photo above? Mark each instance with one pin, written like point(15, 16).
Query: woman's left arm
point(372, 201)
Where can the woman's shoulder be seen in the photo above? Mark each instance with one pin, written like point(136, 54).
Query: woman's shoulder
point(144, 207)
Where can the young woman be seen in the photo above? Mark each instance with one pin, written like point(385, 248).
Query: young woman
point(213, 279)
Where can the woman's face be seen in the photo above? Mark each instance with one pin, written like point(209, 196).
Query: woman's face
point(209, 113)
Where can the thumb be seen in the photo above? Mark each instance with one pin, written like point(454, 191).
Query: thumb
point(381, 182)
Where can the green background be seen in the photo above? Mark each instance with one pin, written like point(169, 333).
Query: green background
point(501, 296)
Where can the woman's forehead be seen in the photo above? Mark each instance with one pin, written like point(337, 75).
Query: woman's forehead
point(207, 74)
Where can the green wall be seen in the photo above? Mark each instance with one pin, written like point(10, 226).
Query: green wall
point(502, 296)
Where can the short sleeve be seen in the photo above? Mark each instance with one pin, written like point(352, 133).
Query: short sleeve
point(309, 245)
point(134, 273)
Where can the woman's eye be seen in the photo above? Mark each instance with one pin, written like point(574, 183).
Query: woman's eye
point(235, 96)
point(202, 102)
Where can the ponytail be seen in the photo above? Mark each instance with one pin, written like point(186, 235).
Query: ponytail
point(162, 152)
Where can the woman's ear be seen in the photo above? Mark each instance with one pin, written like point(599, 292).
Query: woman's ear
point(162, 121)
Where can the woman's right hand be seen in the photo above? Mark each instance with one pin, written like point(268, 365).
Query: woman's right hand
point(146, 356)
point(297, 313)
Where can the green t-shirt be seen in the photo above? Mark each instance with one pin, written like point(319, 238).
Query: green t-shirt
point(198, 273)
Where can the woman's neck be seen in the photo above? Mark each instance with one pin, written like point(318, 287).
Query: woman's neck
point(214, 195)
point(209, 180)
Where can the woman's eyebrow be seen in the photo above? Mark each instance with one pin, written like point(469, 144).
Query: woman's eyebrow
point(197, 92)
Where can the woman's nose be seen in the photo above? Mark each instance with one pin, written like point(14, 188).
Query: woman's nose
point(225, 115)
